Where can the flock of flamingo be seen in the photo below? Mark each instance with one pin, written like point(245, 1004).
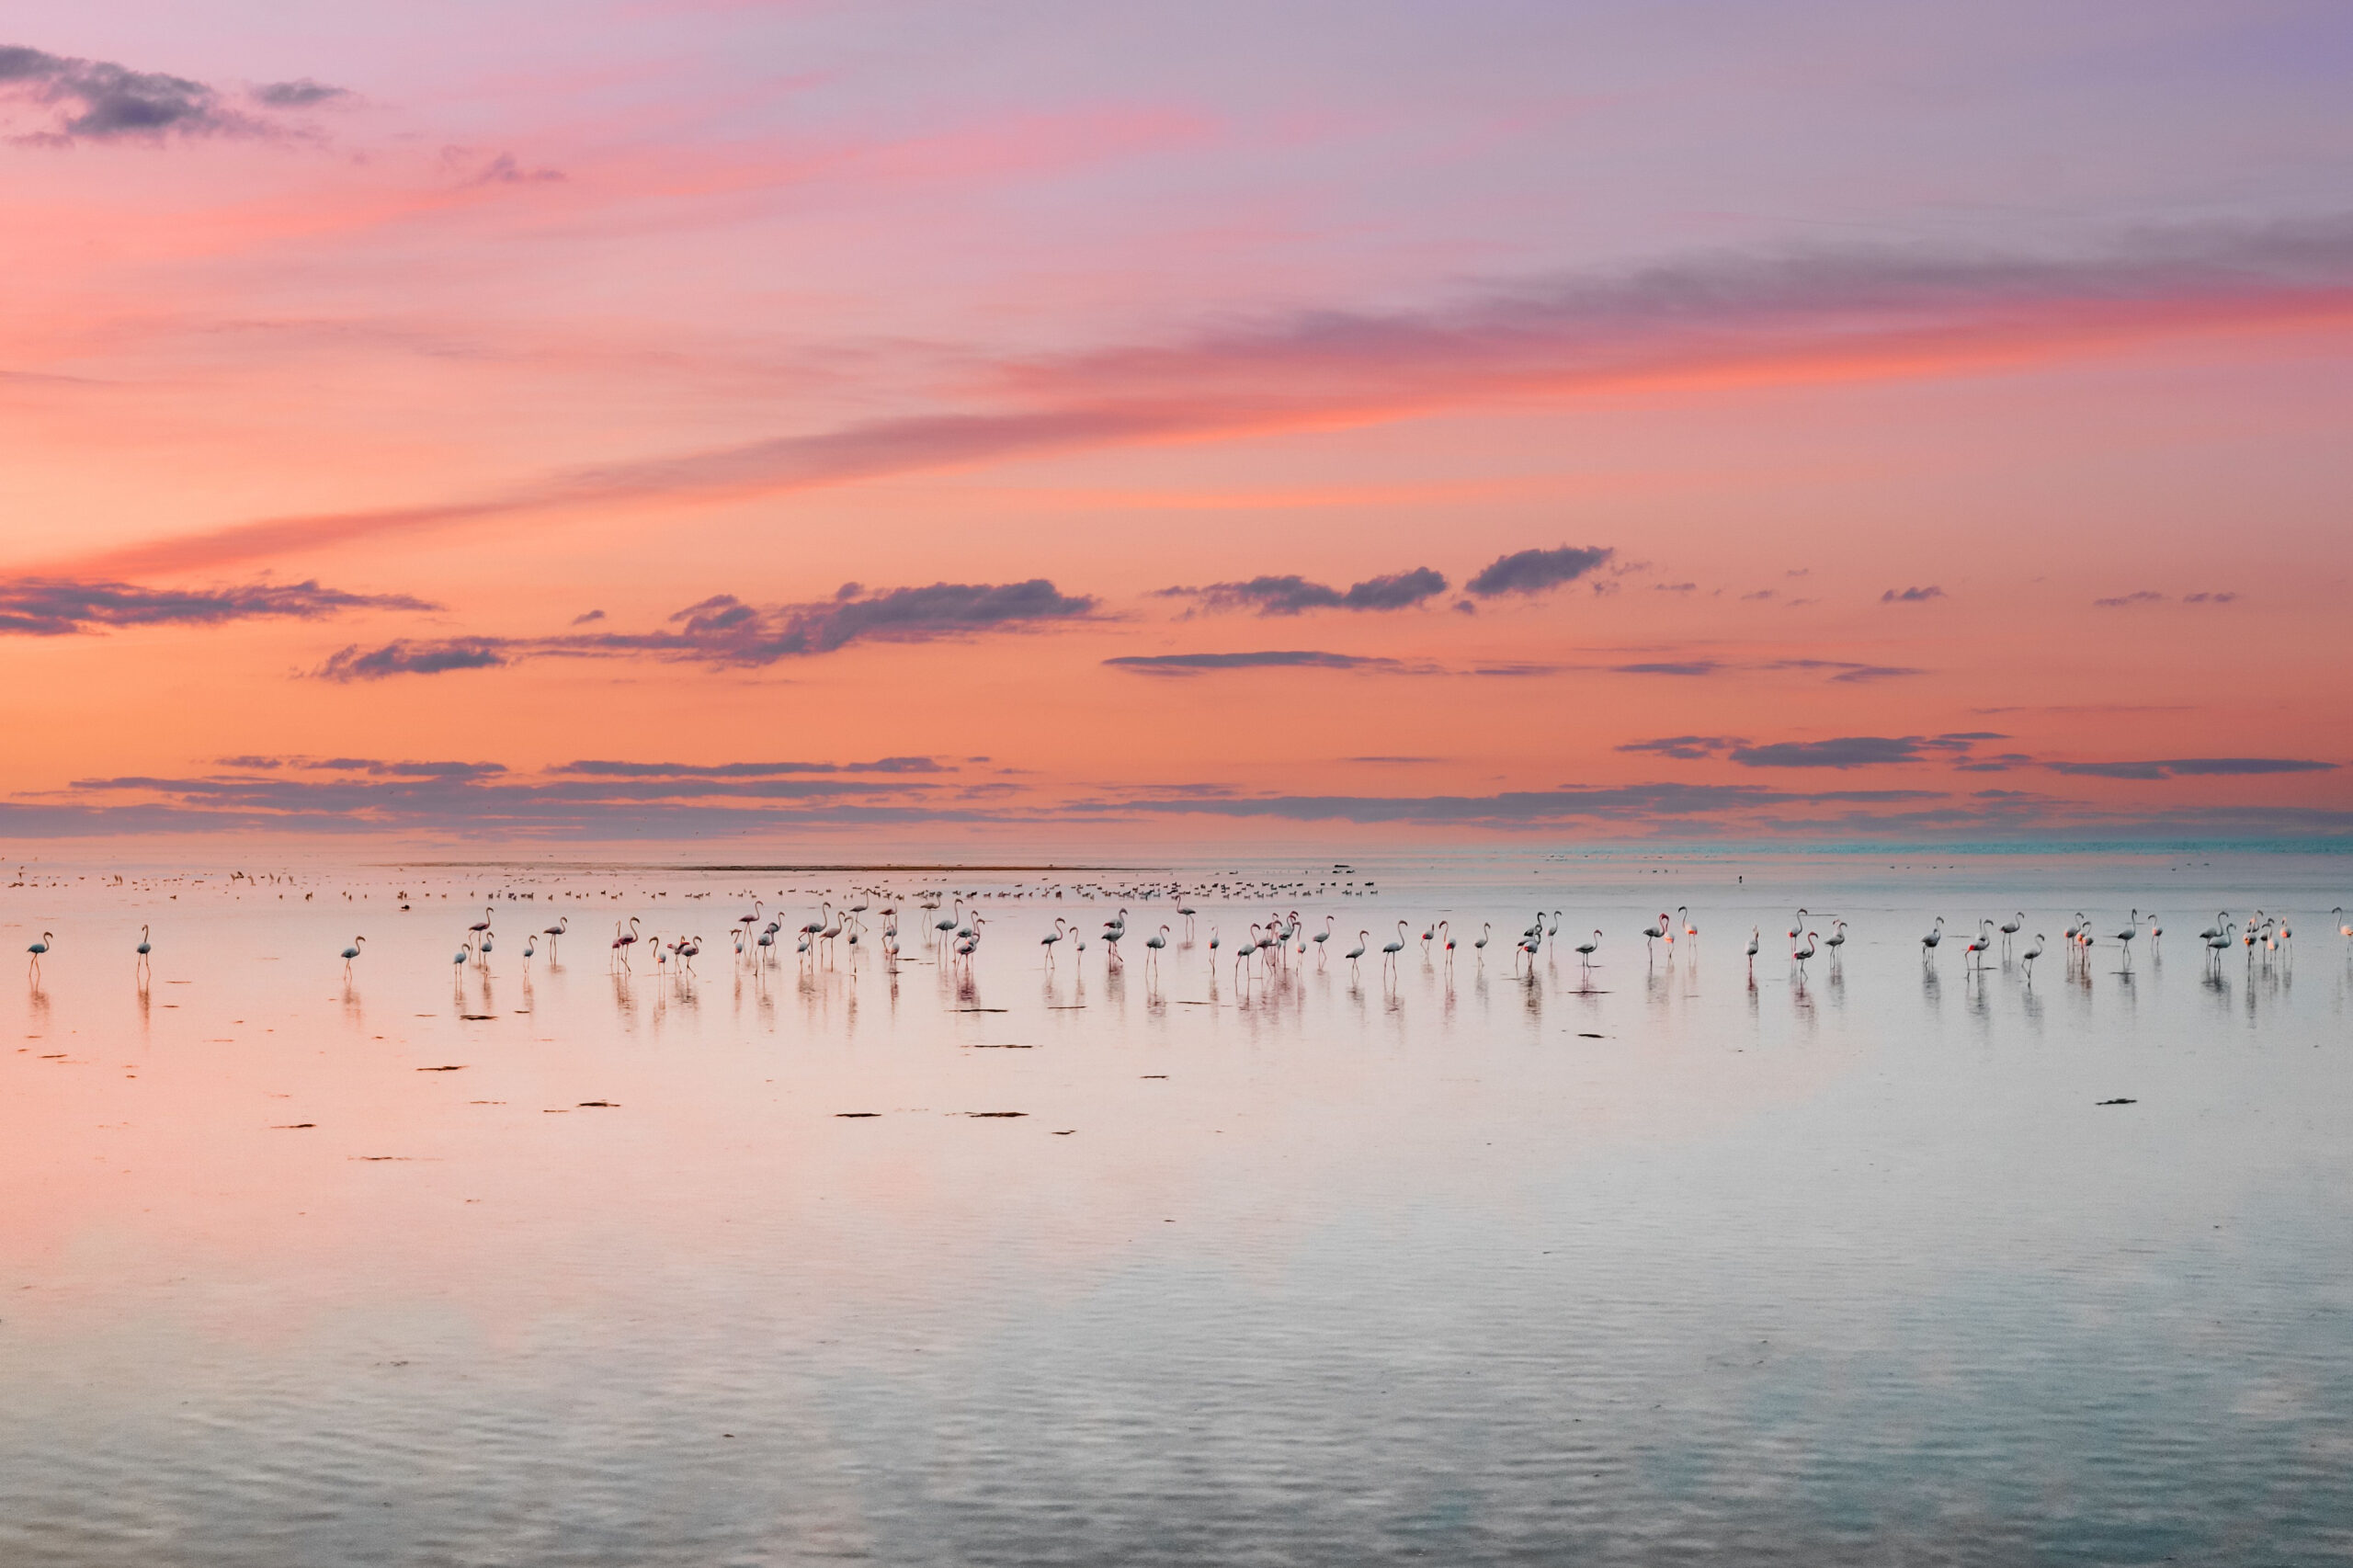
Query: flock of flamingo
point(1275, 942)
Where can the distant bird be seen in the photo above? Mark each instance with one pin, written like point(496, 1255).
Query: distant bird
point(144, 948)
point(1756, 934)
point(351, 952)
point(531, 946)
point(2344, 927)
point(37, 949)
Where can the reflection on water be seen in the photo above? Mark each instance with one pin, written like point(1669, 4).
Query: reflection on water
point(657, 1255)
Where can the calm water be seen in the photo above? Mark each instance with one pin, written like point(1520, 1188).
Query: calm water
point(1662, 1266)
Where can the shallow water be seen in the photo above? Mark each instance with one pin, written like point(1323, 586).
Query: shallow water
point(1652, 1265)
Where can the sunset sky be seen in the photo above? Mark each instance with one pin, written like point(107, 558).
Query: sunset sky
point(1709, 422)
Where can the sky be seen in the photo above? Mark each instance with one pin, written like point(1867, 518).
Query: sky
point(1811, 422)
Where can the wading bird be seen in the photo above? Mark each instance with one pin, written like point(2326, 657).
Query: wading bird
point(351, 952)
point(37, 949)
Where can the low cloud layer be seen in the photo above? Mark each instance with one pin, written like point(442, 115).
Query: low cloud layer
point(1536, 571)
point(53, 607)
point(1272, 658)
point(1290, 595)
point(97, 100)
point(726, 631)
point(2192, 767)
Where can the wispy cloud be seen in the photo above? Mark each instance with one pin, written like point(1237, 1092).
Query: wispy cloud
point(1291, 595)
point(1711, 320)
point(97, 100)
point(724, 630)
point(55, 607)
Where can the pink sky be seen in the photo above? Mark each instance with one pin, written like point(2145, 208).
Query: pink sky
point(1825, 423)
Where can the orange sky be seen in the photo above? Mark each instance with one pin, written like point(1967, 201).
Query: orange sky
point(351, 366)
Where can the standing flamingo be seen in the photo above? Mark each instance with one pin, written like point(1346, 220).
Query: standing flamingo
point(1390, 950)
point(1353, 953)
point(2032, 953)
point(554, 931)
point(351, 953)
point(145, 948)
point(1755, 934)
point(37, 949)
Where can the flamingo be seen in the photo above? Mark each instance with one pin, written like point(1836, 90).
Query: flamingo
point(2012, 926)
point(2131, 929)
point(1325, 935)
point(1797, 928)
point(1047, 940)
point(1756, 934)
point(1153, 944)
point(1837, 940)
point(1651, 934)
point(351, 953)
point(1554, 929)
point(1585, 949)
point(1446, 940)
point(2032, 953)
point(1390, 950)
point(554, 931)
point(1802, 954)
point(531, 946)
point(1353, 953)
point(1975, 952)
point(1486, 929)
point(1683, 915)
point(1082, 948)
point(1187, 911)
point(37, 949)
point(145, 948)
point(459, 957)
point(1929, 943)
point(2218, 942)
point(488, 910)
point(2344, 927)
point(624, 941)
